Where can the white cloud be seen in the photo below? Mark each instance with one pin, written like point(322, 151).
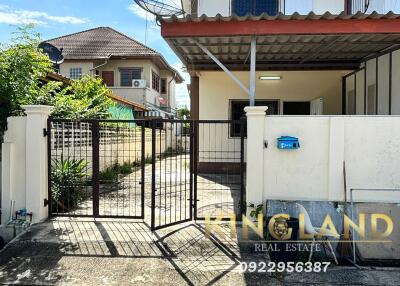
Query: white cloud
point(23, 17)
point(141, 13)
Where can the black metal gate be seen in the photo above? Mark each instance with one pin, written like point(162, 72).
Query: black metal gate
point(172, 180)
point(195, 169)
point(219, 187)
point(198, 171)
point(96, 167)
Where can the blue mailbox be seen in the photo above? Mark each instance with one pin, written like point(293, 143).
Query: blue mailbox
point(288, 142)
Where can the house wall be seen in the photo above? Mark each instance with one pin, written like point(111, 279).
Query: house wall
point(67, 65)
point(212, 7)
point(383, 72)
point(134, 94)
point(367, 145)
point(217, 89)
point(145, 65)
point(333, 6)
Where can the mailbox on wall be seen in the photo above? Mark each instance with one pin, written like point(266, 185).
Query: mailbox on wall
point(288, 143)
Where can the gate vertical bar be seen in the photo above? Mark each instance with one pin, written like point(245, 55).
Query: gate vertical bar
point(242, 168)
point(153, 174)
point(143, 165)
point(194, 132)
point(49, 158)
point(96, 165)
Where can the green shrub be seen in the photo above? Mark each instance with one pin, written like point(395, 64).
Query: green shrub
point(112, 173)
point(67, 178)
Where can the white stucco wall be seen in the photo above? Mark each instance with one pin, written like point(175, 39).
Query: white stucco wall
point(67, 65)
point(13, 171)
point(24, 171)
point(333, 6)
point(314, 172)
point(212, 7)
point(217, 89)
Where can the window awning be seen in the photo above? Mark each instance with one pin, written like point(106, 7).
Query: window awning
point(292, 42)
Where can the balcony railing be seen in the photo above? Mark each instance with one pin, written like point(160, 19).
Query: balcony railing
point(303, 7)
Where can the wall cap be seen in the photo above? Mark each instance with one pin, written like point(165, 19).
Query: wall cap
point(37, 109)
point(255, 110)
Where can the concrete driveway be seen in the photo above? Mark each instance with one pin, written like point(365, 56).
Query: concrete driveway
point(90, 252)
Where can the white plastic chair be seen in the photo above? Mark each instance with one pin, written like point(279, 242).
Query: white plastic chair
point(310, 229)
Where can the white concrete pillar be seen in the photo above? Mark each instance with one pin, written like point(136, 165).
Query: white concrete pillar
point(255, 154)
point(13, 167)
point(36, 160)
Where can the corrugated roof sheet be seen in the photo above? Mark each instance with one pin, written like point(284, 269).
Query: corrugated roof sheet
point(281, 16)
point(283, 51)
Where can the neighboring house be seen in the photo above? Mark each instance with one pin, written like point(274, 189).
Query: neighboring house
point(122, 109)
point(130, 69)
point(331, 59)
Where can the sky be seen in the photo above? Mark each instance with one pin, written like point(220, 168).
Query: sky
point(54, 18)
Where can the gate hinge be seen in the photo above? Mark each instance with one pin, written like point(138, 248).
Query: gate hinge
point(45, 132)
point(45, 202)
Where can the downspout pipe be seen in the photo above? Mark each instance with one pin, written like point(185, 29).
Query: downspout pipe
point(169, 90)
point(103, 64)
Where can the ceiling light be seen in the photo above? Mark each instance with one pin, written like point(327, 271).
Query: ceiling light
point(270, 77)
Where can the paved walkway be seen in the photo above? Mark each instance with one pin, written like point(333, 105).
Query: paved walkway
point(89, 252)
point(216, 193)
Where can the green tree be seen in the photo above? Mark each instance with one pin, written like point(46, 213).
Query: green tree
point(85, 98)
point(183, 112)
point(22, 65)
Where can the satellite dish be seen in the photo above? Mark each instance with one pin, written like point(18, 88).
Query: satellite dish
point(162, 8)
point(55, 55)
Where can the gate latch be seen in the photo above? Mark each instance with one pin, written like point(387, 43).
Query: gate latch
point(45, 132)
point(45, 202)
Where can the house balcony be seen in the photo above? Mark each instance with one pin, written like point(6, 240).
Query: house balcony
point(288, 7)
point(146, 97)
point(138, 95)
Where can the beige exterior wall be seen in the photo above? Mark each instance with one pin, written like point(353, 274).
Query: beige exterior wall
point(137, 95)
point(217, 89)
point(67, 65)
point(316, 168)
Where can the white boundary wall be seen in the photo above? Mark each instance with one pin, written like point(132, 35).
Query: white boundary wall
point(24, 170)
point(370, 146)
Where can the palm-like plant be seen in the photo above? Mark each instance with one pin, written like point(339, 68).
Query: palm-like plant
point(67, 178)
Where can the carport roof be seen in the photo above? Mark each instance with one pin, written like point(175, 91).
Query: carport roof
point(284, 41)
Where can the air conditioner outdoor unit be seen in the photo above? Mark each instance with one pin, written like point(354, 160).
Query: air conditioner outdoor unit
point(138, 83)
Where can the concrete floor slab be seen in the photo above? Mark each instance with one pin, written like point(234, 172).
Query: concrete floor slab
point(123, 252)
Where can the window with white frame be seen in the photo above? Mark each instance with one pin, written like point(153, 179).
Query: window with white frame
point(75, 73)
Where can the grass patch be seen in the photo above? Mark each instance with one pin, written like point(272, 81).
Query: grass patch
point(112, 173)
point(115, 171)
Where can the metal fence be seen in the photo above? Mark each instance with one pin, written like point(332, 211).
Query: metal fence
point(171, 172)
point(96, 167)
